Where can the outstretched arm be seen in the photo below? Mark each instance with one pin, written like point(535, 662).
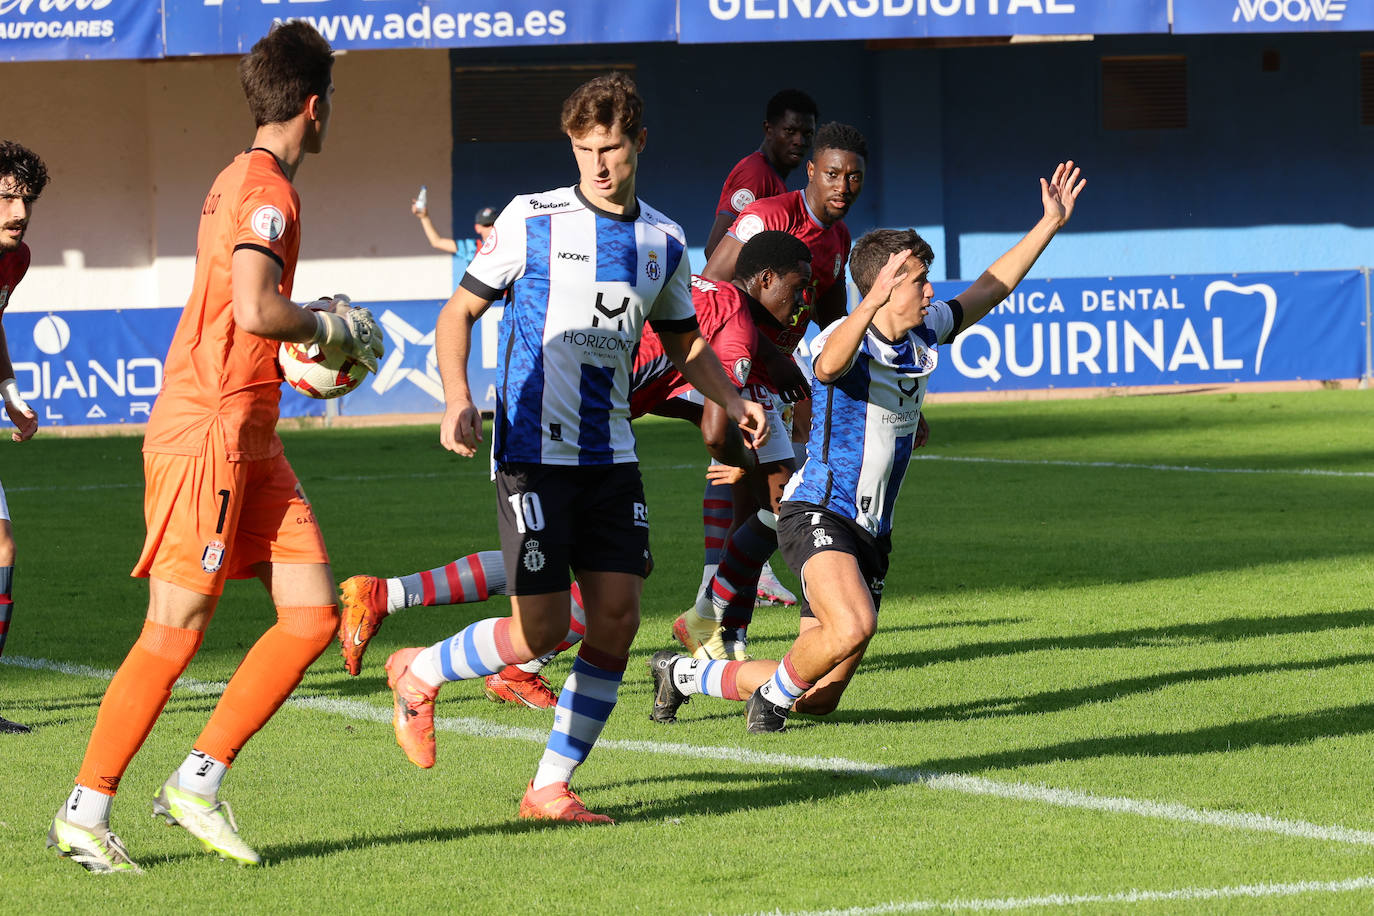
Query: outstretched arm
point(1058, 195)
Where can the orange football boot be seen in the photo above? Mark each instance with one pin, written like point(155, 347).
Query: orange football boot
point(364, 609)
point(414, 718)
point(558, 803)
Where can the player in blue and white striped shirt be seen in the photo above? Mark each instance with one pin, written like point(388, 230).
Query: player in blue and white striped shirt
point(836, 520)
point(586, 267)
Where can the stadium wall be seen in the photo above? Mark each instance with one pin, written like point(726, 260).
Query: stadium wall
point(1268, 175)
point(133, 145)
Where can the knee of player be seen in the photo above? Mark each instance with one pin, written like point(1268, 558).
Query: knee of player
point(852, 632)
point(318, 625)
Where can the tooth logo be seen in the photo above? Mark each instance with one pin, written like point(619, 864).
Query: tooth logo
point(1271, 304)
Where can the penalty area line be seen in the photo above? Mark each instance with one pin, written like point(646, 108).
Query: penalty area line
point(948, 782)
point(1293, 889)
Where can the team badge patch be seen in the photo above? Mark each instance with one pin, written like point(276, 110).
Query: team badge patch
point(748, 227)
point(490, 244)
point(839, 266)
point(741, 199)
point(268, 223)
point(819, 538)
point(4, 297)
point(652, 270)
point(213, 557)
point(534, 557)
point(742, 366)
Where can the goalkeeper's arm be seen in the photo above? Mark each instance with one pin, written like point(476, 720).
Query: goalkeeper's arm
point(261, 309)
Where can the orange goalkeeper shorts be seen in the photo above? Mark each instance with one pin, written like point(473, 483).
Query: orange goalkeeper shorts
point(211, 519)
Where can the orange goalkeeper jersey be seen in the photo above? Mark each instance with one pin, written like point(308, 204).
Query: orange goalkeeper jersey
point(215, 372)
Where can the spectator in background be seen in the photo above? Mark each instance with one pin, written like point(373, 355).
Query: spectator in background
point(481, 225)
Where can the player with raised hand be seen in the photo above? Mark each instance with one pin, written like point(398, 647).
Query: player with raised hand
point(586, 266)
point(716, 626)
point(22, 179)
point(835, 527)
point(221, 500)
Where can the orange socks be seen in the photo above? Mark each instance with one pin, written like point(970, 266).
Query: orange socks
point(133, 701)
point(268, 674)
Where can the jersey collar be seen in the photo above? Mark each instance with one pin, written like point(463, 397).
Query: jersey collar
point(629, 216)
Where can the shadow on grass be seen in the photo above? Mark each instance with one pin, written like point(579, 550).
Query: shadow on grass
point(1060, 700)
point(1225, 630)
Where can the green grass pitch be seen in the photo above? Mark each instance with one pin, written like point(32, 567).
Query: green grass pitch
point(1123, 665)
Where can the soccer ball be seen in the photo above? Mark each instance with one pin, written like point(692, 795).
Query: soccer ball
point(317, 374)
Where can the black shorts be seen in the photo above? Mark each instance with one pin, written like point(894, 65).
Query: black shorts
point(805, 530)
point(554, 518)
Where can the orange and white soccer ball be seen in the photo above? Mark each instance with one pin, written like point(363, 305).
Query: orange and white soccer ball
point(317, 374)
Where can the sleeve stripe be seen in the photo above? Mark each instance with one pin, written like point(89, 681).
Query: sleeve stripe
point(957, 311)
point(675, 325)
point(264, 250)
point(479, 289)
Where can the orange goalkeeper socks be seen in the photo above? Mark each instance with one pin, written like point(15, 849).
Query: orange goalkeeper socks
point(271, 670)
point(133, 701)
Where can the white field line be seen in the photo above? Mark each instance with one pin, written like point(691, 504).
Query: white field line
point(1017, 903)
point(459, 473)
point(968, 785)
point(1130, 466)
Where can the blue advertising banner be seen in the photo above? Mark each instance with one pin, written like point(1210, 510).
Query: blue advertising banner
point(1187, 330)
point(831, 20)
point(232, 26)
point(106, 366)
point(1210, 16)
point(79, 29)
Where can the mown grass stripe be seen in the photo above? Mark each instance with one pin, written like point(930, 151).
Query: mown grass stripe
point(968, 785)
point(1017, 903)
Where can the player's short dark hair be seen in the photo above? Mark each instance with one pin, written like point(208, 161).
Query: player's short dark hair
point(770, 250)
point(790, 100)
point(21, 164)
point(604, 102)
point(834, 135)
point(872, 250)
point(287, 66)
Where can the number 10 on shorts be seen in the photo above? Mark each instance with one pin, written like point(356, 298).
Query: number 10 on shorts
point(529, 514)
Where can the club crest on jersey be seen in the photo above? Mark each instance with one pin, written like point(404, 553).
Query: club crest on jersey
point(820, 539)
point(748, 227)
point(4, 297)
point(490, 244)
point(534, 557)
point(652, 270)
point(741, 199)
point(268, 223)
point(742, 367)
point(839, 265)
point(213, 557)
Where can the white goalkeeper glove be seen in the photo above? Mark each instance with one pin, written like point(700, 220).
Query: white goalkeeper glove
point(353, 331)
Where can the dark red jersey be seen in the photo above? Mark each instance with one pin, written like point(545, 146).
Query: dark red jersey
point(753, 178)
point(13, 265)
point(725, 321)
point(789, 213)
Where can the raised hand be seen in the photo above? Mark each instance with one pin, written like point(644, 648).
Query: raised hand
point(1060, 193)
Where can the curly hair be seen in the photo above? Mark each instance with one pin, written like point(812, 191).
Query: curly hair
point(770, 250)
point(604, 102)
point(834, 135)
point(872, 250)
point(22, 165)
point(789, 100)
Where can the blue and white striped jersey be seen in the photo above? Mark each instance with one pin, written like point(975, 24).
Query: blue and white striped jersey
point(863, 425)
point(583, 282)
